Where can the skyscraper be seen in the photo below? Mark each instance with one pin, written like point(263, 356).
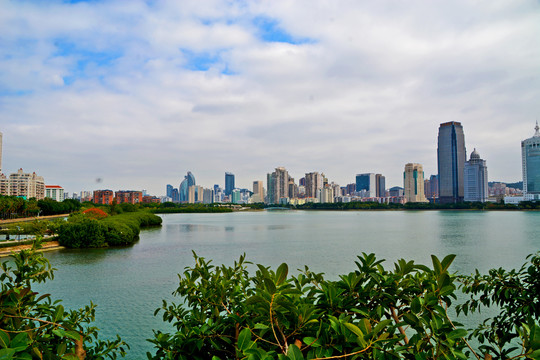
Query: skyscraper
point(451, 156)
point(313, 182)
point(530, 159)
point(476, 179)
point(278, 185)
point(169, 190)
point(229, 183)
point(413, 183)
point(380, 185)
point(183, 189)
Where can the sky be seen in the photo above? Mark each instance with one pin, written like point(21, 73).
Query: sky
point(130, 95)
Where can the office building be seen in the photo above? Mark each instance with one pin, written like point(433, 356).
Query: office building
point(229, 183)
point(183, 189)
point(380, 185)
point(413, 183)
point(366, 185)
point(175, 195)
point(54, 192)
point(169, 190)
point(451, 156)
point(23, 184)
point(396, 191)
point(431, 187)
point(476, 179)
point(530, 159)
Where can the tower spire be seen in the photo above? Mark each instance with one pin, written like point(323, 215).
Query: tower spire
point(537, 129)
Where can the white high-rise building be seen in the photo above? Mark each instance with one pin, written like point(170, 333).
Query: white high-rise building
point(475, 179)
point(23, 184)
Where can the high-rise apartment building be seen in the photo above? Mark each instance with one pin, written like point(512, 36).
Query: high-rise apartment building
point(258, 192)
point(366, 185)
point(476, 179)
point(313, 182)
point(451, 156)
point(278, 185)
point(23, 184)
point(413, 183)
point(229, 183)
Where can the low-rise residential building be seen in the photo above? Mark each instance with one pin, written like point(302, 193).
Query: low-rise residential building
point(104, 197)
point(128, 196)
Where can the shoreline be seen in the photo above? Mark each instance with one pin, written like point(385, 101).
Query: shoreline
point(46, 246)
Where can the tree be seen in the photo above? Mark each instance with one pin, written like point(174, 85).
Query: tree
point(32, 326)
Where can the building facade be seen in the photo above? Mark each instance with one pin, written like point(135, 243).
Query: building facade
point(313, 182)
point(451, 156)
point(278, 185)
point(128, 196)
point(26, 185)
point(54, 192)
point(380, 185)
point(105, 197)
point(183, 189)
point(413, 183)
point(258, 192)
point(366, 185)
point(476, 179)
point(229, 183)
point(530, 160)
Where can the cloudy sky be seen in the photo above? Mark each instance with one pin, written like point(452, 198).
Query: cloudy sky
point(136, 93)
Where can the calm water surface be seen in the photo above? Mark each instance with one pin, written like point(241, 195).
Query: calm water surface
point(129, 283)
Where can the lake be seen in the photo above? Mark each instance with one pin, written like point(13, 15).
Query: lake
point(128, 284)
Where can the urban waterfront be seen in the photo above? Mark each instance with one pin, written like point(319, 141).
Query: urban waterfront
point(128, 284)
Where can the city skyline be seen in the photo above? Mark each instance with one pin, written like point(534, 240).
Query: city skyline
point(133, 94)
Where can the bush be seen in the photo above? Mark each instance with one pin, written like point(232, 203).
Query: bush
point(32, 326)
point(95, 213)
point(83, 232)
point(371, 313)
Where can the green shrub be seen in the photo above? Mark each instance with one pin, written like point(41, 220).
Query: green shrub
point(370, 313)
point(82, 232)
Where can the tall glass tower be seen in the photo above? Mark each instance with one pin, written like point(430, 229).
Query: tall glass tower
point(451, 156)
point(530, 158)
point(229, 183)
point(183, 189)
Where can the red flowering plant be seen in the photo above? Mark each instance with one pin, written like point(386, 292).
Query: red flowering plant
point(95, 213)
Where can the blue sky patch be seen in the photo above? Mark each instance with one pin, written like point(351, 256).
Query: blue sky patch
point(83, 59)
point(269, 30)
point(203, 61)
